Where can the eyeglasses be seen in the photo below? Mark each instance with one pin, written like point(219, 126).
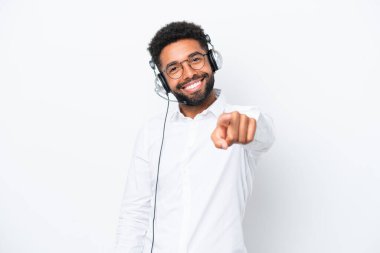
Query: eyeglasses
point(175, 69)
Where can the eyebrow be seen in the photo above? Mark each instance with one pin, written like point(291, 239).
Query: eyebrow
point(175, 62)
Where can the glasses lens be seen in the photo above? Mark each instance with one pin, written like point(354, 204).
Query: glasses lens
point(174, 71)
point(197, 61)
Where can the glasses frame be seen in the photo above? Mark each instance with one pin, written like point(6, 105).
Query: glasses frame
point(180, 63)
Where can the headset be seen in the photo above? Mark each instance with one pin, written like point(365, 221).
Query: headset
point(162, 88)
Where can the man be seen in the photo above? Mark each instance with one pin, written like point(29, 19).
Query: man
point(209, 153)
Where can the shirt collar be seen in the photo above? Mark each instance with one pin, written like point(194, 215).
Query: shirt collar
point(215, 108)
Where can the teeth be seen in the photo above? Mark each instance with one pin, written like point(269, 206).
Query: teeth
point(193, 85)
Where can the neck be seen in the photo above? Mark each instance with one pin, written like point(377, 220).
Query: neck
point(192, 111)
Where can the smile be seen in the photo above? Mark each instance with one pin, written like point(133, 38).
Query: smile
point(193, 86)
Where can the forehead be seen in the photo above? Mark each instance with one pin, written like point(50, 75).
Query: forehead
point(179, 50)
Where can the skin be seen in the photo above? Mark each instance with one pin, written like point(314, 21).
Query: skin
point(180, 51)
point(232, 127)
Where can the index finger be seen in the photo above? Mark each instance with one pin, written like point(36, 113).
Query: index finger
point(224, 120)
point(233, 128)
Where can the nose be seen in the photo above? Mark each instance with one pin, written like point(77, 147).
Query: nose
point(188, 71)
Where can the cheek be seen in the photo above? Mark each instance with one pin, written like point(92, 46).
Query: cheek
point(172, 83)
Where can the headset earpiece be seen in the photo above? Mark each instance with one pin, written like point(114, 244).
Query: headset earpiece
point(163, 82)
point(215, 58)
point(161, 86)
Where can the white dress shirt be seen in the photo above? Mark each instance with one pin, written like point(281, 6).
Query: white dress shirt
point(202, 191)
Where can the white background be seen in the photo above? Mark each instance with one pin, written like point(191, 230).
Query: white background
point(75, 87)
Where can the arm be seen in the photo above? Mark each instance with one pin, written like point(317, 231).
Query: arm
point(136, 204)
point(264, 135)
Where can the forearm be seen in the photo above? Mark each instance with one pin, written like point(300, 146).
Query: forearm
point(264, 136)
point(135, 209)
point(132, 227)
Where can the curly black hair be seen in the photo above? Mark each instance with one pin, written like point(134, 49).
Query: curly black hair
point(173, 32)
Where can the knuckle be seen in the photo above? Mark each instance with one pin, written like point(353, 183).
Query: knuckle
point(235, 114)
point(233, 136)
point(244, 117)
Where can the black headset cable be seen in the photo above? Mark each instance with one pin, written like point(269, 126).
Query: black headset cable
point(158, 170)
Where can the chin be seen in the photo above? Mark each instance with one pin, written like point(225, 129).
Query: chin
point(199, 97)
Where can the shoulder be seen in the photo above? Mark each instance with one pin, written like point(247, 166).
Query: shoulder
point(149, 136)
point(152, 127)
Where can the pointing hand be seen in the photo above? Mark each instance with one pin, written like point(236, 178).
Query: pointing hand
point(233, 128)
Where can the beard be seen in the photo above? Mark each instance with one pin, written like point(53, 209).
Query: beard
point(198, 97)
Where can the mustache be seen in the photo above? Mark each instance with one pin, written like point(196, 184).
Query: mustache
point(188, 80)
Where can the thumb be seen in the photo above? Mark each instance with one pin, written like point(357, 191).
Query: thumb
point(218, 136)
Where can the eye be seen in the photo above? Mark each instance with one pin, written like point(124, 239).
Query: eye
point(196, 58)
point(172, 69)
